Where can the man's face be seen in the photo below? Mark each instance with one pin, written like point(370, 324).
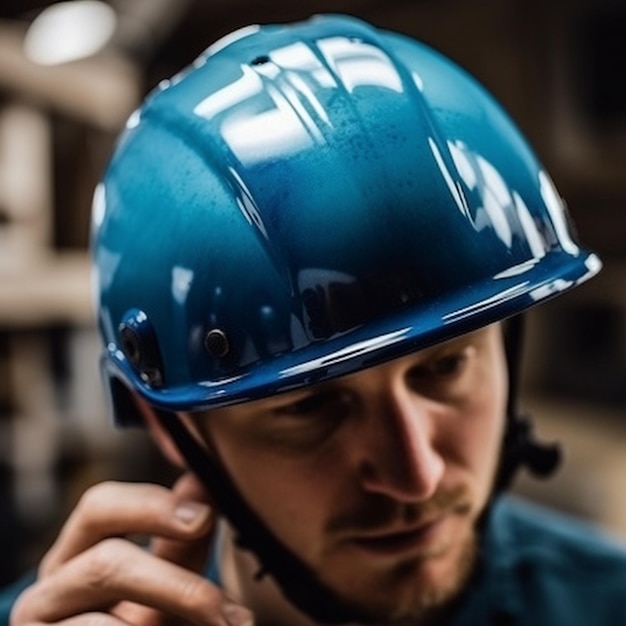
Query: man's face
point(376, 479)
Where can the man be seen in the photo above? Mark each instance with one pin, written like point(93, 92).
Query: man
point(311, 249)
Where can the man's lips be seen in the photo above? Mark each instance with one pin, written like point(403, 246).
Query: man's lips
point(421, 536)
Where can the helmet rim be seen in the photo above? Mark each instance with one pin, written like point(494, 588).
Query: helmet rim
point(372, 344)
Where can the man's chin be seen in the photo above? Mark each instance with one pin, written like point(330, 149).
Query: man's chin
point(416, 590)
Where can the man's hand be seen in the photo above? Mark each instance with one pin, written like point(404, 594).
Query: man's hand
point(94, 574)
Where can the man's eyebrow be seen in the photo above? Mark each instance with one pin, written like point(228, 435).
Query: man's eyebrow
point(300, 394)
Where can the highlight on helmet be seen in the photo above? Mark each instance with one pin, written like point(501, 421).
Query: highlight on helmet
point(308, 200)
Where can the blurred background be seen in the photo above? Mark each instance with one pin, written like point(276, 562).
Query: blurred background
point(70, 75)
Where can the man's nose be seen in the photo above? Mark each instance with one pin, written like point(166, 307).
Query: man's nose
point(399, 456)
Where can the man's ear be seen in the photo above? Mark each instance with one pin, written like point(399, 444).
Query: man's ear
point(159, 435)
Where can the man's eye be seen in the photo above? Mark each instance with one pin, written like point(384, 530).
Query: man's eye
point(306, 423)
point(448, 365)
point(443, 367)
point(326, 405)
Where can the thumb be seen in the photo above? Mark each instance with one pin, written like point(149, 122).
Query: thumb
point(194, 509)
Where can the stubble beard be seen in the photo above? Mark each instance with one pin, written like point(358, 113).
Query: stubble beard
point(429, 602)
point(429, 605)
point(432, 606)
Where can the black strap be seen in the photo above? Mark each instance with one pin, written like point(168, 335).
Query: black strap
point(520, 446)
point(297, 581)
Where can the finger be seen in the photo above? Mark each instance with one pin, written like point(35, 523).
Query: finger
point(188, 487)
point(136, 614)
point(191, 553)
point(118, 509)
point(92, 619)
point(116, 570)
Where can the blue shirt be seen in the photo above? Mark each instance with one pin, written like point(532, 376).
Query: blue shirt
point(539, 568)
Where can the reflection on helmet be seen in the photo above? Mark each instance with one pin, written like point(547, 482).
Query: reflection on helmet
point(308, 200)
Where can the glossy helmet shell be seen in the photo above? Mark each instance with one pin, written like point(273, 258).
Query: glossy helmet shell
point(308, 200)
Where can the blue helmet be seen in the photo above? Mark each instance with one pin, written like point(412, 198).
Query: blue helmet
point(302, 202)
point(308, 200)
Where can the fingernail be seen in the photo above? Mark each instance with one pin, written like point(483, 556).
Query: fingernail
point(191, 513)
point(237, 615)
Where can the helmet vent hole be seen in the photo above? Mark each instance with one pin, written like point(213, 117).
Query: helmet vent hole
point(131, 345)
point(216, 343)
point(139, 345)
point(261, 60)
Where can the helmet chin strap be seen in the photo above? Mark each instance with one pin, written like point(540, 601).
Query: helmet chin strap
point(298, 582)
point(520, 446)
